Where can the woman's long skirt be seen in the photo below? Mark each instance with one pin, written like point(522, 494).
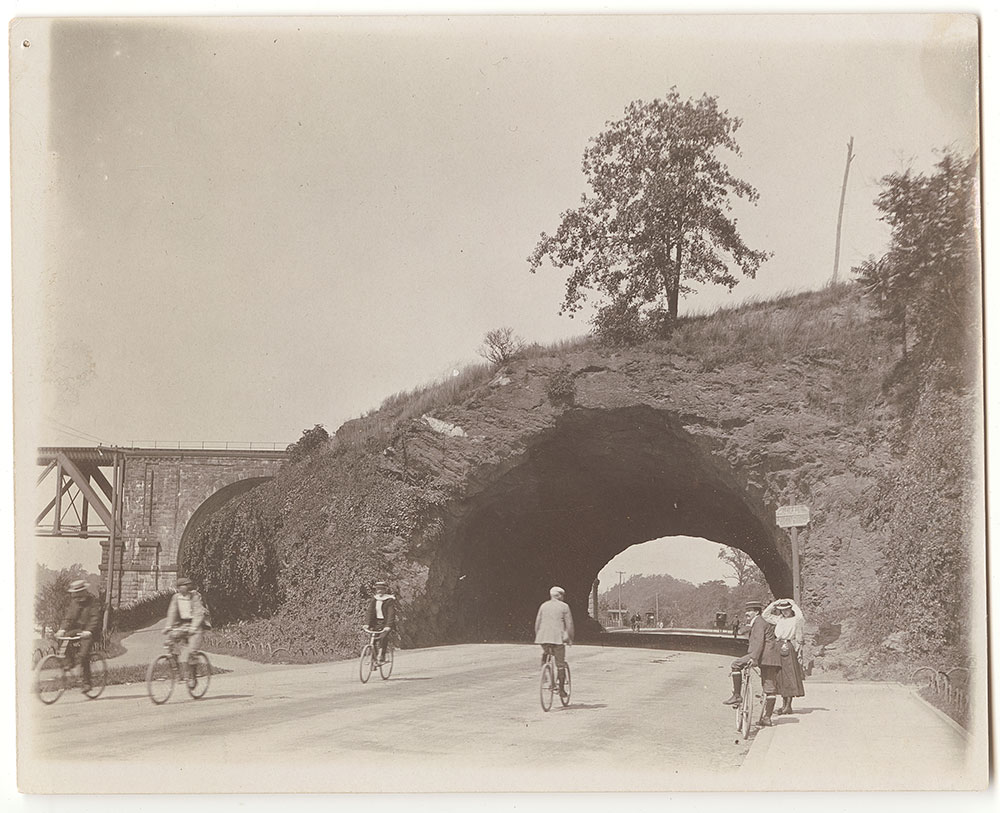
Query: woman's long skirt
point(790, 677)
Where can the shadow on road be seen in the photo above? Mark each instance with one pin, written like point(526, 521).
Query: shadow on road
point(806, 710)
point(224, 697)
point(396, 680)
point(585, 706)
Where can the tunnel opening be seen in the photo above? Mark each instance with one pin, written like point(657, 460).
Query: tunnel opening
point(204, 512)
point(677, 583)
point(595, 484)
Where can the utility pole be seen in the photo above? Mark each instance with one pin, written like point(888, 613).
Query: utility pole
point(620, 574)
point(840, 213)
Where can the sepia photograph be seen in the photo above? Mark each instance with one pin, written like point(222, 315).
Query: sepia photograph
point(498, 403)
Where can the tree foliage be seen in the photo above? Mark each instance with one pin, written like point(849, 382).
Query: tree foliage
point(659, 217)
point(501, 345)
point(927, 283)
point(925, 510)
point(52, 594)
point(234, 560)
point(311, 440)
point(743, 568)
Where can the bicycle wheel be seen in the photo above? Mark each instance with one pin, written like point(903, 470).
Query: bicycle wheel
point(160, 679)
point(547, 685)
point(50, 679)
point(199, 674)
point(98, 675)
point(385, 669)
point(744, 715)
point(367, 665)
point(568, 686)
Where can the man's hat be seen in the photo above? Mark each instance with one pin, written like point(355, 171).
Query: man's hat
point(784, 604)
point(184, 580)
point(77, 586)
point(381, 583)
point(755, 605)
point(557, 591)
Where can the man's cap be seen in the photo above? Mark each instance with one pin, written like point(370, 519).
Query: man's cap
point(755, 605)
point(381, 583)
point(77, 586)
point(784, 604)
point(557, 591)
point(184, 580)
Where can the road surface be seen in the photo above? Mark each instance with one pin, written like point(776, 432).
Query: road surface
point(450, 718)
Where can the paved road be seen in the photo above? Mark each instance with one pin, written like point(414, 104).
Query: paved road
point(461, 717)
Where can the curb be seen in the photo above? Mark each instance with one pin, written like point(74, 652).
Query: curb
point(954, 725)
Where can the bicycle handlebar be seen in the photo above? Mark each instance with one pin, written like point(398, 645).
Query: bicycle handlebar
point(69, 637)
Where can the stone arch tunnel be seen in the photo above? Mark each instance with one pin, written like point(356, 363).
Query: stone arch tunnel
point(587, 488)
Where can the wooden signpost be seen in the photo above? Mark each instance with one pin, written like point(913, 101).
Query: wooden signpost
point(794, 517)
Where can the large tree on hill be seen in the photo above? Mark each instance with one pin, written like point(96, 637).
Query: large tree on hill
point(927, 283)
point(659, 216)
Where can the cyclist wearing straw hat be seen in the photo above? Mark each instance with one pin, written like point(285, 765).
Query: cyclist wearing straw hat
point(83, 618)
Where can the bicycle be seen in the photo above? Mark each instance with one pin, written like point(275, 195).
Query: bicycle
point(164, 672)
point(745, 709)
point(368, 663)
point(549, 682)
point(54, 672)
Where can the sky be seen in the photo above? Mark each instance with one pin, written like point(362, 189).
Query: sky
point(690, 559)
point(245, 227)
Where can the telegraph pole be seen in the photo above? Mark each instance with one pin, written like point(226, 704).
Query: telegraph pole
point(620, 574)
point(840, 213)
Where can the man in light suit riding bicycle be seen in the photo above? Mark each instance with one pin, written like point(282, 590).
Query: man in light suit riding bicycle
point(554, 630)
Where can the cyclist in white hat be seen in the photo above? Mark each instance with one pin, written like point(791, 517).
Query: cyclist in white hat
point(554, 629)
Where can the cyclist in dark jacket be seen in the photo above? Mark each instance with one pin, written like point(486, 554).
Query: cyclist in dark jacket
point(381, 616)
point(83, 617)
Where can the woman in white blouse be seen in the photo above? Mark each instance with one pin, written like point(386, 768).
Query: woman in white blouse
point(789, 625)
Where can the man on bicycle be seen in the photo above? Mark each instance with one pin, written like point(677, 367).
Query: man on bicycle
point(381, 617)
point(762, 651)
point(553, 630)
point(186, 614)
point(83, 617)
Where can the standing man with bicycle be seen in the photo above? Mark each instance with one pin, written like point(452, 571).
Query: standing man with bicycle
point(83, 617)
point(762, 651)
point(186, 614)
point(381, 617)
point(554, 630)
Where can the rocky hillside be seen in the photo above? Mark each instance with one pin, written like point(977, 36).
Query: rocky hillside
point(543, 469)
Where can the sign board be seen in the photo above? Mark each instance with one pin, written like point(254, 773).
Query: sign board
point(792, 516)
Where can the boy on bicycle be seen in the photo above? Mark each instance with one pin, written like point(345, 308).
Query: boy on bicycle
point(553, 630)
point(83, 617)
point(381, 616)
point(186, 614)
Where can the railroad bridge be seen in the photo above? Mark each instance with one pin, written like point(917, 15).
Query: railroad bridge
point(142, 503)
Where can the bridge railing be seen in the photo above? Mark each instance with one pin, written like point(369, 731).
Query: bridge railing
point(227, 445)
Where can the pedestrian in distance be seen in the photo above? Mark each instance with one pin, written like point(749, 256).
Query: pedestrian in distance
point(381, 617)
point(736, 627)
point(789, 623)
point(554, 631)
point(83, 618)
point(762, 651)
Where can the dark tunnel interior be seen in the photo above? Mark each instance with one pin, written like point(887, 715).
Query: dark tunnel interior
point(597, 483)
